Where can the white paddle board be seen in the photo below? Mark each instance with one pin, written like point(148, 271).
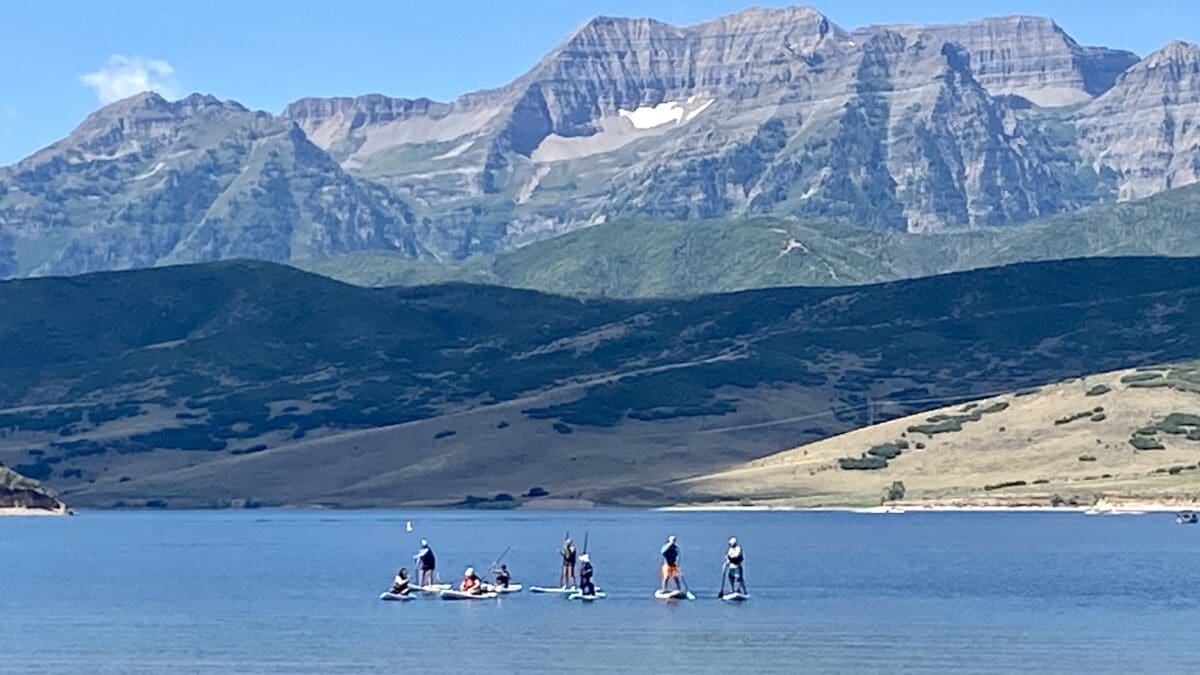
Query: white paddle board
point(459, 595)
point(553, 589)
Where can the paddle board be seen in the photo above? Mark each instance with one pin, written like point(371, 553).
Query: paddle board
point(599, 595)
point(459, 595)
point(735, 597)
point(434, 588)
point(674, 595)
point(395, 596)
point(511, 588)
point(553, 589)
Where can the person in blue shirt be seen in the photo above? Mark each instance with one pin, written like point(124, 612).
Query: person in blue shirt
point(426, 564)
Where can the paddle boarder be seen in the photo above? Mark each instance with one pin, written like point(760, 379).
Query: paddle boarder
point(586, 587)
point(400, 583)
point(471, 583)
point(566, 578)
point(734, 558)
point(426, 564)
point(502, 575)
point(670, 566)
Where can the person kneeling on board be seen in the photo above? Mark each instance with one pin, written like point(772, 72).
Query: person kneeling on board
point(586, 587)
point(670, 567)
point(400, 583)
point(733, 561)
point(471, 583)
point(502, 575)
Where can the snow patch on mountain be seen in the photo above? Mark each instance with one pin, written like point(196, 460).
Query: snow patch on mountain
point(649, 117)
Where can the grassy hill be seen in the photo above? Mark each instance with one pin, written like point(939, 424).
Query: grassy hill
point(229, 382)
point(1116, 437)
point(667, 258)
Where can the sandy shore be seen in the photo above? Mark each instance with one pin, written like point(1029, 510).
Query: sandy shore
point(1100, 508)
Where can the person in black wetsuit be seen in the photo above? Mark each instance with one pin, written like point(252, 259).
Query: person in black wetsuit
point(566, 578)
point(426, 564)
point(734, 557)
point(400, 583)
point(586, 587)
point(503, 577)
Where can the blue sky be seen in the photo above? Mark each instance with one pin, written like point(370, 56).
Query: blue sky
point(265, 53)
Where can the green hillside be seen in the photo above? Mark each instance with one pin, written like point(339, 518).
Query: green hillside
point(209, 384)
point(641, 258)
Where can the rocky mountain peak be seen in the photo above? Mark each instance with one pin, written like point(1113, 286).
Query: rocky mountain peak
point(1141, 129)
point(800, 19)
point(1176, 56)
point(1028, 56)
point(127, 126)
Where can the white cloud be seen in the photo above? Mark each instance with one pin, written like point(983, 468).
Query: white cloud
point(123, 76)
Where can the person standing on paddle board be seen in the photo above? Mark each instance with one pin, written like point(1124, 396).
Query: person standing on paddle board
point(586, 587)
point(734, 557)
point(566, 578)
point(670, 566)
point(426, 564)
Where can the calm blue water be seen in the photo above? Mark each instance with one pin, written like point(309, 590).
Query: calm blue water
point(296, 591)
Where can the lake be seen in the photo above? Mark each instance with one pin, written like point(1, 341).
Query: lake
point(283, 591)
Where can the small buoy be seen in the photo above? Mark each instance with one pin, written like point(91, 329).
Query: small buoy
point(408, 526)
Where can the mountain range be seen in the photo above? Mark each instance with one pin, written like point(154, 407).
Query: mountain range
point(246, 382)
point(896, 129)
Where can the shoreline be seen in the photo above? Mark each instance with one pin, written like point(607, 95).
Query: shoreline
point(1100, 508)
point(17, 511)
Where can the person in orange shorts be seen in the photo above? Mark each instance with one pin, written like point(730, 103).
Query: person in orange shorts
point(670, 566)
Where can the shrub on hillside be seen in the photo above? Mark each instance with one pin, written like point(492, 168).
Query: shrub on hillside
point(1005, 484)
point(1140, 442)
point(886, 450)
point(864, 463)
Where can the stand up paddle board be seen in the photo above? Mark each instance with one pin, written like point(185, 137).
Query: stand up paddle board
point(434, 588)
point(735, 597)
point(459, 595)
point(674, 595)
point(511, 588)
point(598, 595)
point(395, 596)
point(553, 589)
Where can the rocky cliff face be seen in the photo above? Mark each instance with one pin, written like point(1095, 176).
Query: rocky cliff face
point(144, 182)
point(1144, 129)
point(20, 492)
point(1027, 56)
point(766, 111)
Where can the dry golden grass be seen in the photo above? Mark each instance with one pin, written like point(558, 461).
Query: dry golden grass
point(1020, 443)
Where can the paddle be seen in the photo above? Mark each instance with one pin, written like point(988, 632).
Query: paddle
point(497, 561)
point(724, 569)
